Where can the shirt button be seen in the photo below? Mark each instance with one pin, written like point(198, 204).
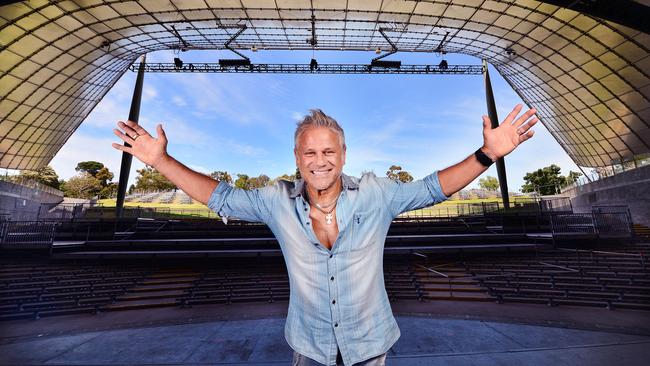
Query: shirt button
point(332, 278)
point(331, 255)
point(336, 324)
point(333, 301)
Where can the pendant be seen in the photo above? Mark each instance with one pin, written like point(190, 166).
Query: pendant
point(329, 218)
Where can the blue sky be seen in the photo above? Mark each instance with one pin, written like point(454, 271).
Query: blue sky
point(244, 123)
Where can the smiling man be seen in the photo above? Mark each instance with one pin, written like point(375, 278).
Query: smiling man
point(331, 228)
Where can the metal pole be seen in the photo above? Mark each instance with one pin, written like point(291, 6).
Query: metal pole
point(134, 115)
point(494, 119)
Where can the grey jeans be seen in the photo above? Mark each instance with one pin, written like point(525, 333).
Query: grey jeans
point(302, 360)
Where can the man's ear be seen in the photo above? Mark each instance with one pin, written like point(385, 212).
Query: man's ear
point(295, 154)
point(345, 149)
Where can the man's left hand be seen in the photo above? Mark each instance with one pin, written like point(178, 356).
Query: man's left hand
point(499, 142)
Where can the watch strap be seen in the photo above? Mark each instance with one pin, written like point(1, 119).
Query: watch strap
point(483, 158)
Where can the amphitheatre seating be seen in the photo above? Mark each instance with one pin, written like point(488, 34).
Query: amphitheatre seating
point(611, 279)
point(167, 197)
point(184, 199)
point(43, 289)
point(149, 197)
point(133, 197)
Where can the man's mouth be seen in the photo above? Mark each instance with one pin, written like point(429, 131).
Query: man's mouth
point(320, 172)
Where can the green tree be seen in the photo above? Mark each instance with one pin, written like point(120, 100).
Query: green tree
point(91, 167)
point(288, 177)
point(45, 175)
point(82, 185)
point(149, 179)
point(546, 180)
point(258, 182)
point(396, 173)
point(242, 181)
point(489, 182)
point(571, 178)
point(221, 176)
point(104, 176)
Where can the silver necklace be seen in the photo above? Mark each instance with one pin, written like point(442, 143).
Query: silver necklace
point(329, 215)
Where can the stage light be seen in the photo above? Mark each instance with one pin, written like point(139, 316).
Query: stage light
point(386, 64)
point(178, 63)
point(254, 49)
point(234, 62)
point(378, 50)
point(313, 65)
point(443, 65)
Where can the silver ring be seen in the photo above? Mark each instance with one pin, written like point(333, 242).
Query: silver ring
point(136, 137)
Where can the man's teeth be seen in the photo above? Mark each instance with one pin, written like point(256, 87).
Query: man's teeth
point(319, 172)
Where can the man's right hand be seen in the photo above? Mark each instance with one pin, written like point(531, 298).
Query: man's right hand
point(143, 146)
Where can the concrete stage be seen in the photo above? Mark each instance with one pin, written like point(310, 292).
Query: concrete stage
point(209, 336)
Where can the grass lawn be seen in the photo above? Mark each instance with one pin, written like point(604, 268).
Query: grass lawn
point(443, 209)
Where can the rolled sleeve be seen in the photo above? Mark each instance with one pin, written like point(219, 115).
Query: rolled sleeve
point(414, 195)
point(433, 184)
point(248, 205)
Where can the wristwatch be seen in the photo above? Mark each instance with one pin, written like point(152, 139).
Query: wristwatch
point(483, 158)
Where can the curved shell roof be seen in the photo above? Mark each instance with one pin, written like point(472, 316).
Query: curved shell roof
point(589, 78)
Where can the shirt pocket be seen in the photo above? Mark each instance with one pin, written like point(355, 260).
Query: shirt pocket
point(364, 230)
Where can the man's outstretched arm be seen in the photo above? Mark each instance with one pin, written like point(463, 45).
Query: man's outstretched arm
point(497, 142)
point(153, 152)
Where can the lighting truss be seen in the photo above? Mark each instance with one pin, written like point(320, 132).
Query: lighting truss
point(309, 69)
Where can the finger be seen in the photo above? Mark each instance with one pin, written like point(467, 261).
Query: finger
point(487, 124)
point(137, 128)
point(526, 136)
point(161, 133)
point(123, 148)
point(525, 127)
point(127, 129)
point(530, 113)
point(124, 137)
point(511, 116)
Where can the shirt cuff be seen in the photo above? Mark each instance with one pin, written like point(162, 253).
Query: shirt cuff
point(218, 199)
point(433, 184)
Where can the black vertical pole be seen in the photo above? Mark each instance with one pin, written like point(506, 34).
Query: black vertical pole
point(494, 119)
point(134, 115)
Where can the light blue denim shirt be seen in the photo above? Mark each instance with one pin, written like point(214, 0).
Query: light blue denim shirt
point(337, 296)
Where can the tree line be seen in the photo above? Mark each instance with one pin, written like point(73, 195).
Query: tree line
point(95, 180)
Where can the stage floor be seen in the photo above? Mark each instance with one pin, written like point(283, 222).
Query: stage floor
point(424, 341)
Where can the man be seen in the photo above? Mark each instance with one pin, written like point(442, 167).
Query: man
point(331, 229)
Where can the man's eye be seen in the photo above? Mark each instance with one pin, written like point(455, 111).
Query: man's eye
point(329, 153)
point(309, 154)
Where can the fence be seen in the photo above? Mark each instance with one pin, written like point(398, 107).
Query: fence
point(28, 234)
point(602, 224)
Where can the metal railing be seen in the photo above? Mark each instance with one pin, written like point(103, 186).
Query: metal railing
point(29, 234)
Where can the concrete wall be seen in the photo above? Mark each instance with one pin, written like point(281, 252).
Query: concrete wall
point(23, 203)
point(631, 188)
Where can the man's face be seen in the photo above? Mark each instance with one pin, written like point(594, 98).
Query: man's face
point(320, 157)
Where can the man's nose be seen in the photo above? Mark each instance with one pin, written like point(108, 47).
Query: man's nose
point(320, 159)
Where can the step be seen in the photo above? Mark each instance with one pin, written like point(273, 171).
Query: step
point(150, 295)
point(147, 288)
point(141, 304)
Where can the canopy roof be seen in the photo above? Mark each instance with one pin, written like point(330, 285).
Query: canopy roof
point(589, 78)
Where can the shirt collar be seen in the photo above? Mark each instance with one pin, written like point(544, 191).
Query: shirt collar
point(299, 185)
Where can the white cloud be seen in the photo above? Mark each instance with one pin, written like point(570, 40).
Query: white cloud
point(179, 101)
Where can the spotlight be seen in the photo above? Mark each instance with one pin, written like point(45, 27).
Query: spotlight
point(313, 65)
point(254, 49)
point(178, 63)
point(386, 64)
point(378, 50)
point(234, 62)
point(443, 65)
